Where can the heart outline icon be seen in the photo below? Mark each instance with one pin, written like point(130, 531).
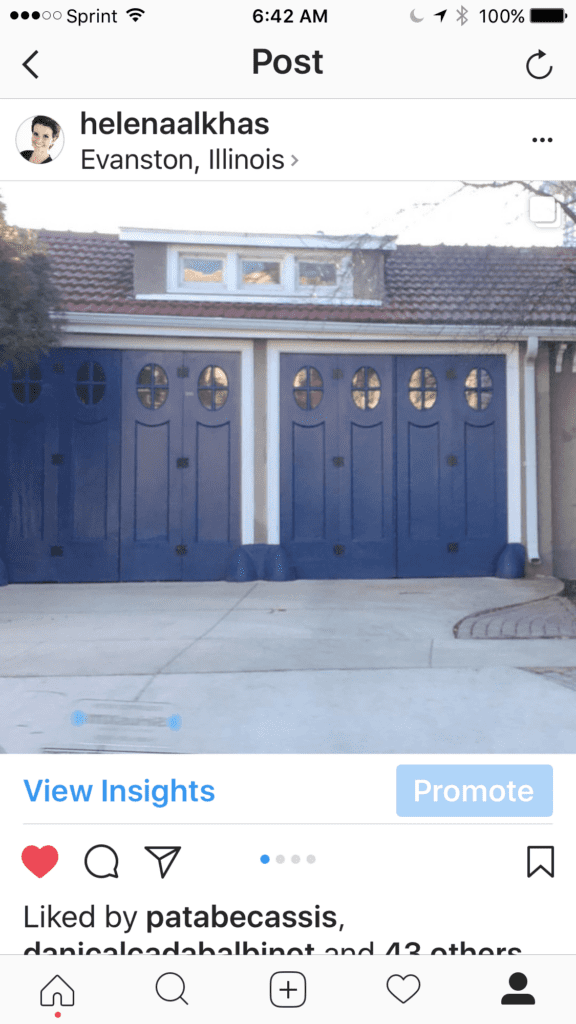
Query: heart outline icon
point(40, 860)
point(402, 988)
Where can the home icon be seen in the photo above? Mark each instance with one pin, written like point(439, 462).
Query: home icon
point(57, 991)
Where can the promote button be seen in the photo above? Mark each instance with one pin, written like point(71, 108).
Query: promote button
point(474, 790)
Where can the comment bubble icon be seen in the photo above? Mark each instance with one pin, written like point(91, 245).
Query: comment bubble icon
point(101, 861)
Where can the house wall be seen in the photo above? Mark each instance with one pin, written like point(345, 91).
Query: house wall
point(544, 455)
point(260, 448)
point(149, 268)
point(368, 271)
point(150, 271)
point(563, 431)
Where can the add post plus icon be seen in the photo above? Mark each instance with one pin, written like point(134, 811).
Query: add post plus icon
point(288, 989)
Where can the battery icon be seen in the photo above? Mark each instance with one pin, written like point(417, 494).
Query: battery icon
point(547, 15)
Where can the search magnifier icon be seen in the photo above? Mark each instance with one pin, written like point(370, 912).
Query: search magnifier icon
point(170, 987)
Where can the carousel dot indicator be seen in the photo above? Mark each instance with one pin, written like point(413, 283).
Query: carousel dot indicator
point(265, 859)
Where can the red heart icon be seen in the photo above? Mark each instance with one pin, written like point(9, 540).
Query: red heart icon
point(39, 861)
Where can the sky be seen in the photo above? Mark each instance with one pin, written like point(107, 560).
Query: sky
point(423, 212)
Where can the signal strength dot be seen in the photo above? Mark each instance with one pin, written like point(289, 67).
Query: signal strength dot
point(135, 13)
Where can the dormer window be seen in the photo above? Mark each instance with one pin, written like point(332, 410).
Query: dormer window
point(316, 275)
point(279, 277)
point(202, 270)
point(204, 266)
point(260, 272)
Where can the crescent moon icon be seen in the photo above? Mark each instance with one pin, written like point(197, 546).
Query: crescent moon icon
point(413, 16)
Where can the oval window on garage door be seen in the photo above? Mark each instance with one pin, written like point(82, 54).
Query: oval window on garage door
point(26, 384)
point(366, 388)
point(152, 386)
point(478, 389)
point(213, 387)
point(423, 388)
point(90, 383)
point(308, 388)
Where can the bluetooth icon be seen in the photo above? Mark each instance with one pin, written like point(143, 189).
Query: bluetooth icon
point(462, 15)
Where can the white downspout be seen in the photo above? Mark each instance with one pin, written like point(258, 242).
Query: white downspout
point(530, 450)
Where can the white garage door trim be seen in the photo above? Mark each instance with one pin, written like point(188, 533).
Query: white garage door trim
point(513, 447)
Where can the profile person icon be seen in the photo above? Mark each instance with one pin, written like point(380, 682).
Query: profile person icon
point(45, 132)
point(518, 997)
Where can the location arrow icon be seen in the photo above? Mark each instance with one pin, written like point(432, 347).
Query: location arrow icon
point(165, 855)
point(440, 14)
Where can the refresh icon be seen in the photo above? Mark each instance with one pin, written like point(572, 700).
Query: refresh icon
point(539, 55)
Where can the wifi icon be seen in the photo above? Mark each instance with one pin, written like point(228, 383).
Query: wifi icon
point(135, 13)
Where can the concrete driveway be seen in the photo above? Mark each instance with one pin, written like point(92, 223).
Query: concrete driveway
point(359, 666)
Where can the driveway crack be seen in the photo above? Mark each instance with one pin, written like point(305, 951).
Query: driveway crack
point(188, 647)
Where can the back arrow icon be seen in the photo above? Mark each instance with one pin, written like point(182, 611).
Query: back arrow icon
point(540, 54)
point(27, 61)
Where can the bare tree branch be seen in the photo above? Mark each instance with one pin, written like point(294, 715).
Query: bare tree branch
point(568, 187)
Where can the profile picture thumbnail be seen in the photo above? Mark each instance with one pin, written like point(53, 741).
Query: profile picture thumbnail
point(40, 139)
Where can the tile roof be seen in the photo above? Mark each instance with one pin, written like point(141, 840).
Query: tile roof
point(424, 284)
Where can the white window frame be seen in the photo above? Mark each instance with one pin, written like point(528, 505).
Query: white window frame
point(344, 280)
point(233, 288)
point(175, 273)
point(263, 289)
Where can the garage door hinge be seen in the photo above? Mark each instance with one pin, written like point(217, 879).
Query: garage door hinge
point(339, 549)
point(453, 547)
point(452, 460)
point(182, 463)
point(338, 460)
point(181, 549)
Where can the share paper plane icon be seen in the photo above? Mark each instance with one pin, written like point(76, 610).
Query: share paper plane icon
point(165, 855)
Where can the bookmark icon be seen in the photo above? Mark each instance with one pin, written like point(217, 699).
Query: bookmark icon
point(541, 858)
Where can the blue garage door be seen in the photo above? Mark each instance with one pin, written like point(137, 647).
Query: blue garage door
point(180, 464)
point(451, 452)
point(337, 480)
point(393, 466)
point(60, 467)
